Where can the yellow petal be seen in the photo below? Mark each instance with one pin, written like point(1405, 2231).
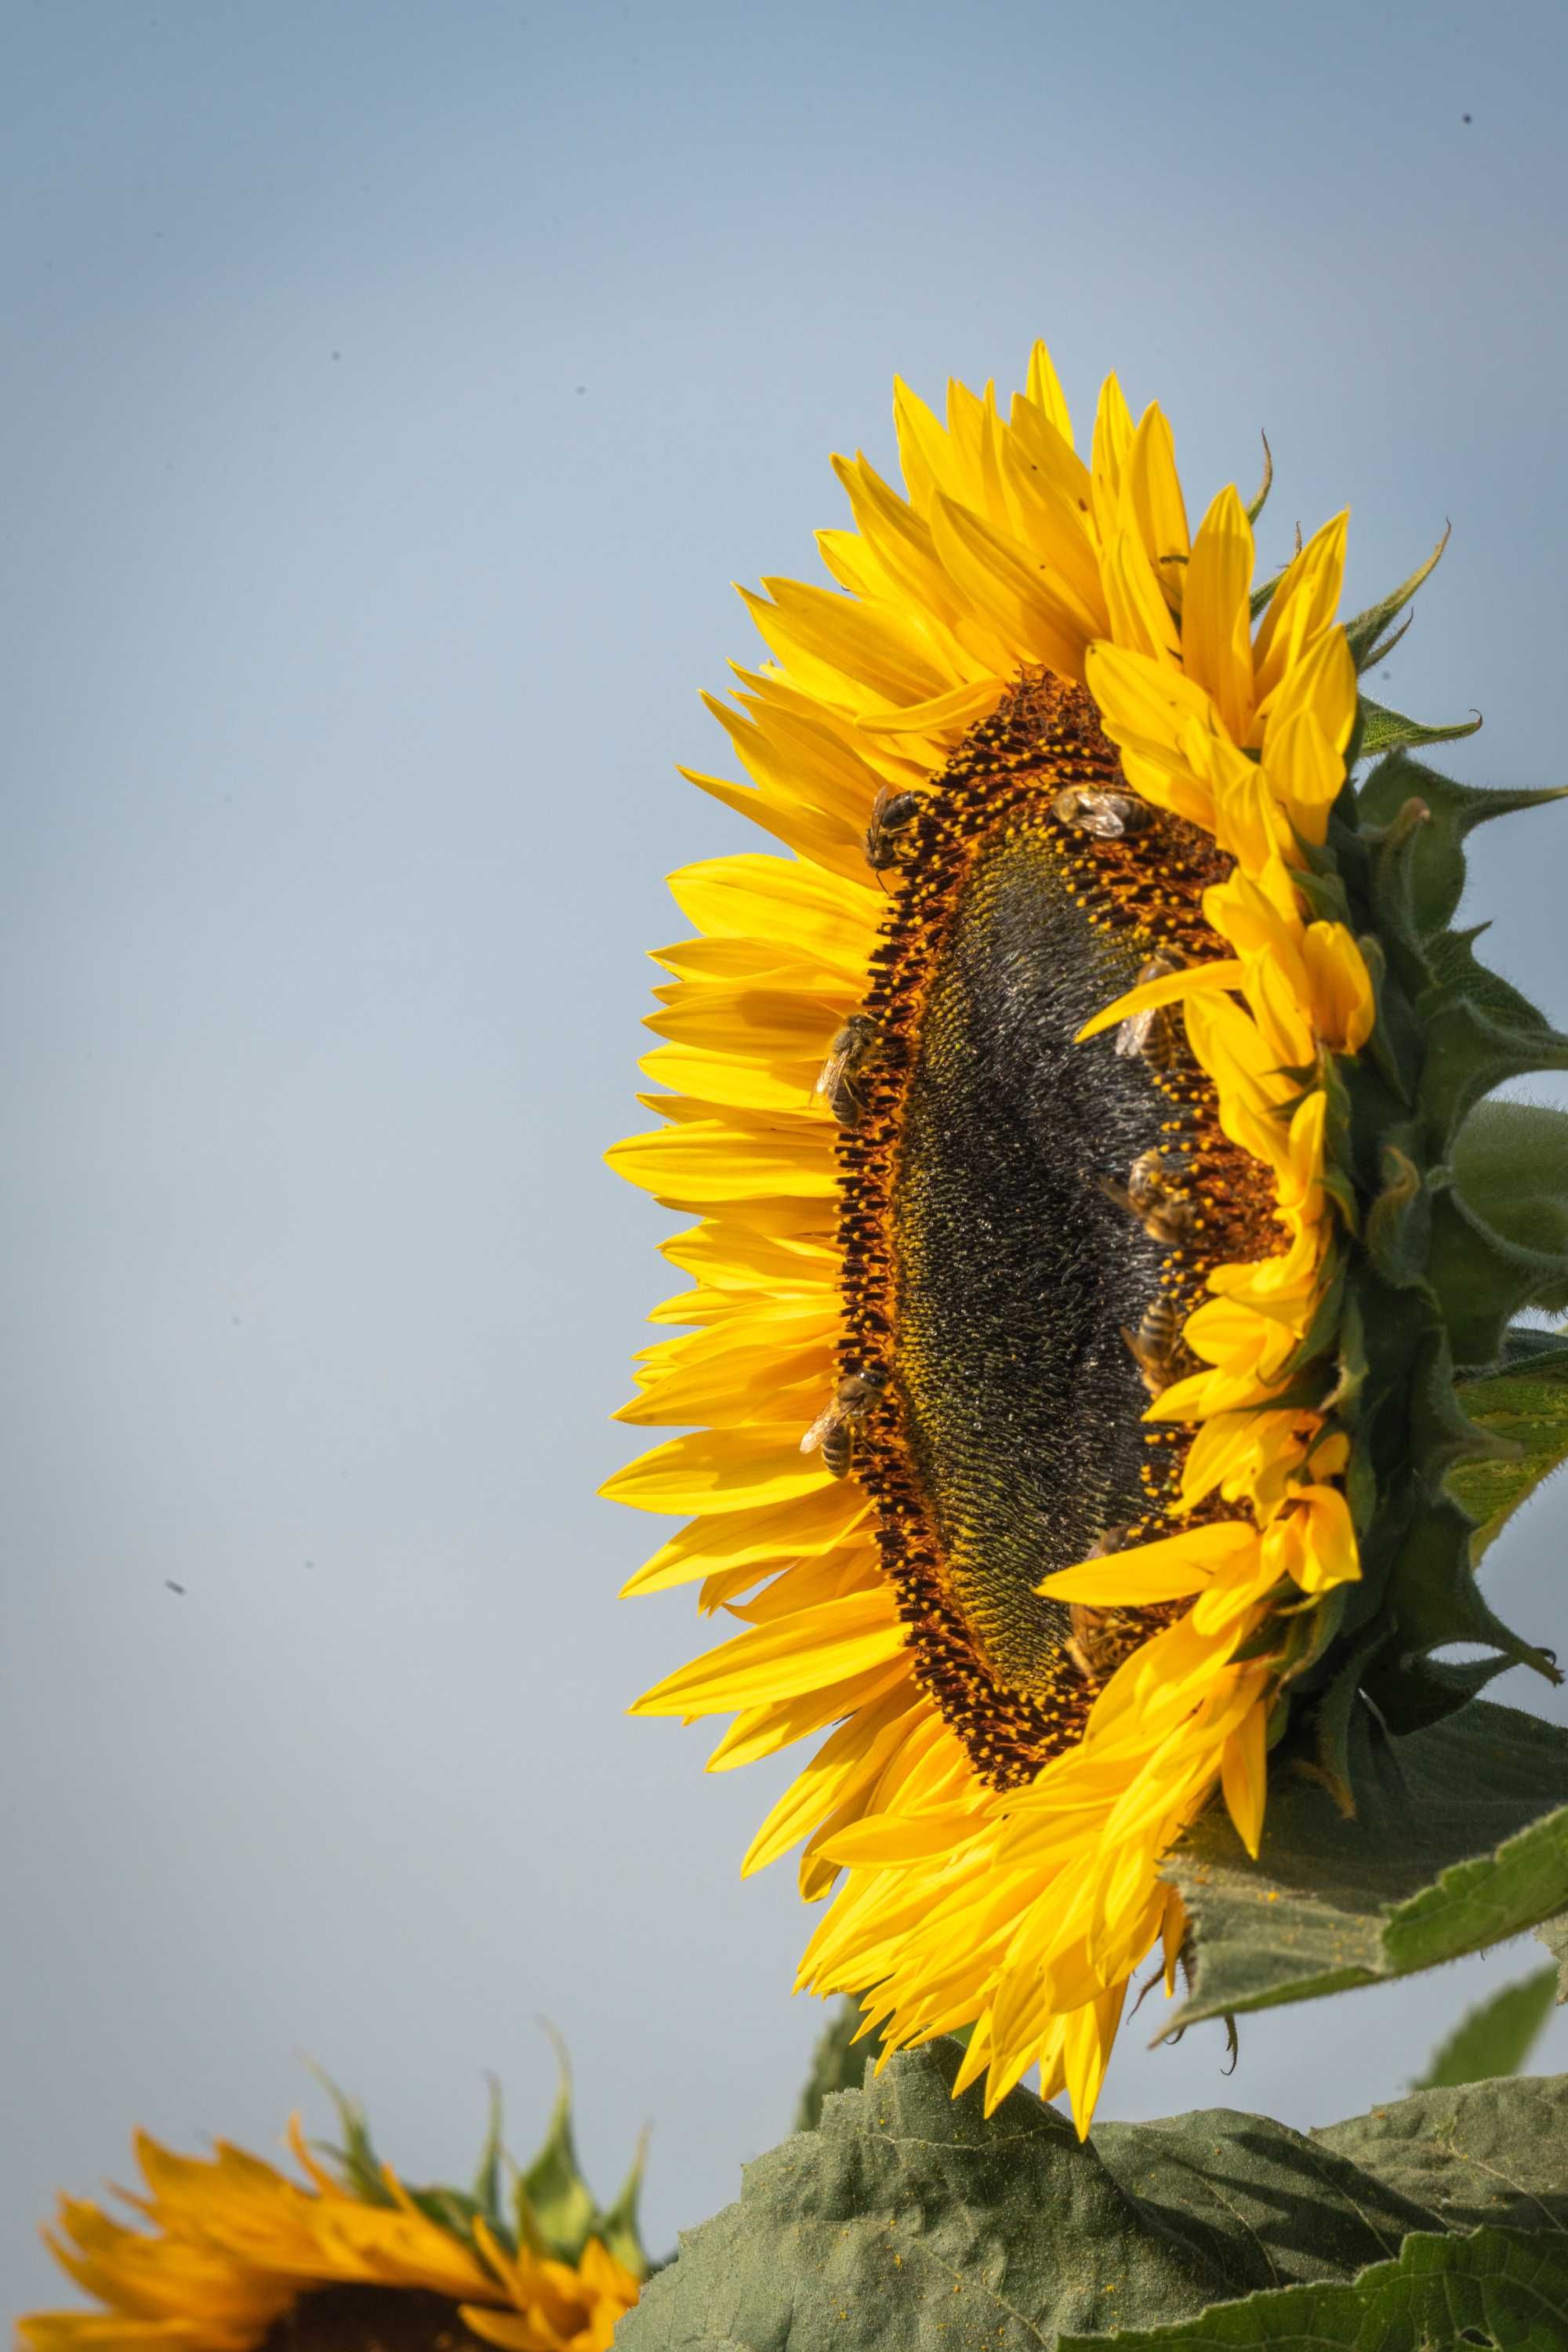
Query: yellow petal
point(1216, 624)
point(1171, 988)
point(703, 1162)
point(1244, 1776)
point(1043, 386)
point(1154, 487)
point(1167, 1570)
point(1303, 604)
point(720, 1470)
point(821, 1646)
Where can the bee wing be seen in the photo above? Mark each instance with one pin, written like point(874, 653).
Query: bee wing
point(819, 1428)
point(1133, 1035)
point(832, 1077)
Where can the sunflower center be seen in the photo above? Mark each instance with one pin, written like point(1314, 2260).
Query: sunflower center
point(1020, 1213)
point(371, 2319)
point(1016, 1274)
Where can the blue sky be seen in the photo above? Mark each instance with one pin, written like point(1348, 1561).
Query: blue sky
point(394, 392)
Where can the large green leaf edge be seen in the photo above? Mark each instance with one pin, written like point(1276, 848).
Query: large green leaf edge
point(910, 2222)
point(1459, 1842)
point(1497, 2288)
point(1525, 1405)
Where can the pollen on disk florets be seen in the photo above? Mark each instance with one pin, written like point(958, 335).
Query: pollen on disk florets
point(994, 1263)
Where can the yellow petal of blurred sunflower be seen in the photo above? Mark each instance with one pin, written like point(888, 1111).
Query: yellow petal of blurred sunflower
point(227, 2253)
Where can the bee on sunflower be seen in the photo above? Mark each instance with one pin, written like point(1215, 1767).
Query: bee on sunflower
point(235, 2256)
point(1094, 1202)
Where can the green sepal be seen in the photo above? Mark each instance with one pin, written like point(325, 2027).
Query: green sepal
point(1394, 1055)
point(1443, 1435)
point(1511, 1167)
point(1422, 1691)
point(1432, 1599)
point(355, 2162)
point(1455, 810)
point(617, 2228)
point(1399, 1222)
point(1381, 651)
point(1319, 1336)
point(1495, 2037)
point(1481, 1280)
point(553, 2211)
point(1469, 1055)
point(555, 2205)
point(1380, 730)
point(1321, 887)
point(1335, 1722)
point(1395, 848)
point(556, 2212)
point(1260, 498)
point(1455, 971)
point(1364, 635)
point(486, 2191)
point(362, 2171)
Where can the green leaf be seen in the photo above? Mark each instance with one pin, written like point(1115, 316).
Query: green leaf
point(1526, 1404)
point(1554, 1934)
point(837, 2063)
point(1496, 2036)
point(1490, 2152)
point(908, 2220)
point(1500, 2288)
point(1460, 1841)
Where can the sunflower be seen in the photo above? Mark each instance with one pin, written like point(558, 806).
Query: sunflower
point(1077, 1278)
point(236, 2255)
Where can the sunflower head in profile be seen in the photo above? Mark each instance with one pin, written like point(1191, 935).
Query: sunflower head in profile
point(229, 2254)
point(1075, 1125)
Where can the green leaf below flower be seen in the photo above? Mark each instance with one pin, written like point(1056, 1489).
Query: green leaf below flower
point(1460, 1841)
point(1495, 2037)
point(1525, 1403)
point(908, 2218)
point(1500, 2288)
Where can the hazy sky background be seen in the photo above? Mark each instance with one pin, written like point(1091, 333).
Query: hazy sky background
point(393, 392)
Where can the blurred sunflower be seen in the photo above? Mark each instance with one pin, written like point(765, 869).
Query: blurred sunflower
point(1078, 1272)
point(236, 2255)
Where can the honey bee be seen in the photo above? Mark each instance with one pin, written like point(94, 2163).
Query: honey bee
point(1165, 1216)
point(852, 1048)
point(1156, 1345)
point(1098, 1639)
point(892, 814)
point(1108, 815)
point(833, 1428)
point(1096, 1643)
point(1153, 1032)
